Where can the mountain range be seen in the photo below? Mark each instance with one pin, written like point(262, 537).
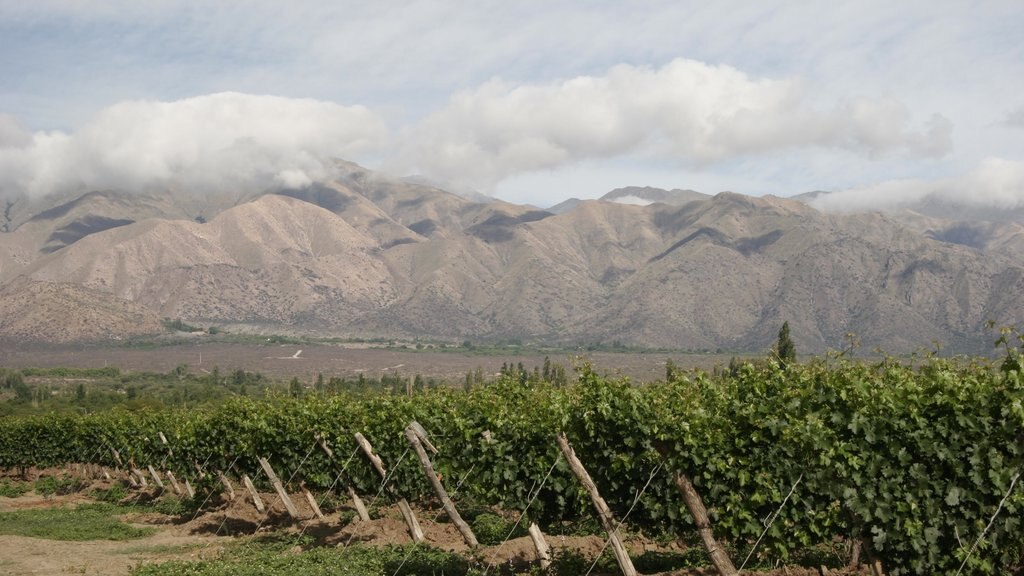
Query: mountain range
point(367, 255)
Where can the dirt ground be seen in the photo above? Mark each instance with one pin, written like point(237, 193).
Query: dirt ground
point(307, 360)
point(20, 555)
point(227, 521)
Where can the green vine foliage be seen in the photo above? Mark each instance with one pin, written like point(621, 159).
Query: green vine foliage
point(913, 461)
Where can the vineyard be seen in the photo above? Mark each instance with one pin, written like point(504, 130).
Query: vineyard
point(915, 466)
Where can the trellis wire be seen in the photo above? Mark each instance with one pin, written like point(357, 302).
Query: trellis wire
point(636, 501)
point(533, 498)
point(434, 521)
point(771, 520)
point(329, 490)
point(990, 522)
point(383, 484)
point(267, 514)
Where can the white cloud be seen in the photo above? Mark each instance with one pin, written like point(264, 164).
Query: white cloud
point(633, 201)
point(219, 141)
point(1014, 118)
point(995, 183)
point(686, 111)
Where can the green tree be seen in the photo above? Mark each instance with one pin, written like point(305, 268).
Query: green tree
point(785, 350)
point(21, 390)
point(295, 388)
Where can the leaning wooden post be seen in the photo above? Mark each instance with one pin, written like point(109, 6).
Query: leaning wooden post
point(117, 457)
point(128, 473)
point(605, 515)
point(276, 482)
point(312, 502)
point(227, 485)
point(357, 502)
point(415, 434)
point(156, 476)
point(174, 482)
point(138, 474)
point(256, 500)
point(410, 518)
point(543, 551)
point(696, 507)
point(364, 514)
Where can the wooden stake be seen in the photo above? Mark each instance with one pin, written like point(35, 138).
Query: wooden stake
point(410, 518)
point(368, 450)
point(604, 514)
point(106, 474)
point(421, 433)
point(855, 552)
point(156, 477)
point(276, 482)
point(227, 485)
point(323, 445)
point(543, 551)
point(142, 478)
point(357, 502)
point(364, 514)
point(189, 490)
point(312, 503)
point(876, 568)
point(417, 437)
point(117, 457)
point(253, 493)
point(696, 507)
point(174, 482)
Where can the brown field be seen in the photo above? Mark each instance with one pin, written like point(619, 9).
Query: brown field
point(349, 360)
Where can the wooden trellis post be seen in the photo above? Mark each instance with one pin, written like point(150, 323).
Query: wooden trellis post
point(696, 507)
point(543, 551)
point(227, 485)
point(174, 482)
point(256, 500)
point(312, 502)
point(357, 502)
point(417, 437)
point(603, 513)
point(410, 518)
point(156, 476)
point(276, 482)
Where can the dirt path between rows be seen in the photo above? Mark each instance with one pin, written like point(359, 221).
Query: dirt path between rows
point(227, 522)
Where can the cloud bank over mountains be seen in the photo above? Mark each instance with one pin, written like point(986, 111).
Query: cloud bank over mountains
point(534, 101)
point(685, 112)
point(219, 141)
point(995, 183)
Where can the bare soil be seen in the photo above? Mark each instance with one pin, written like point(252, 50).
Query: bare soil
point(225, 521)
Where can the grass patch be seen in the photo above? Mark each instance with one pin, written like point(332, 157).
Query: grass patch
point(10, 489)
point(272, 557)
point(51, 485)
point(87, 522)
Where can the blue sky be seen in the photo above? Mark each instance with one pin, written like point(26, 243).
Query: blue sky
point(530, 101)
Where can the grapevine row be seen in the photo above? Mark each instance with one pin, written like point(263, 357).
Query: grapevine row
point(912, 461)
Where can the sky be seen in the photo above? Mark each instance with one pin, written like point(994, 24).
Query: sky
point(882, 103)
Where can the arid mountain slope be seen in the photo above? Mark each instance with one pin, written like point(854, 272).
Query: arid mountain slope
point(366, 255)
point(33, 311)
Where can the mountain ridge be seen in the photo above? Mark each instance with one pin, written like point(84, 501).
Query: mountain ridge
point(366, 255)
